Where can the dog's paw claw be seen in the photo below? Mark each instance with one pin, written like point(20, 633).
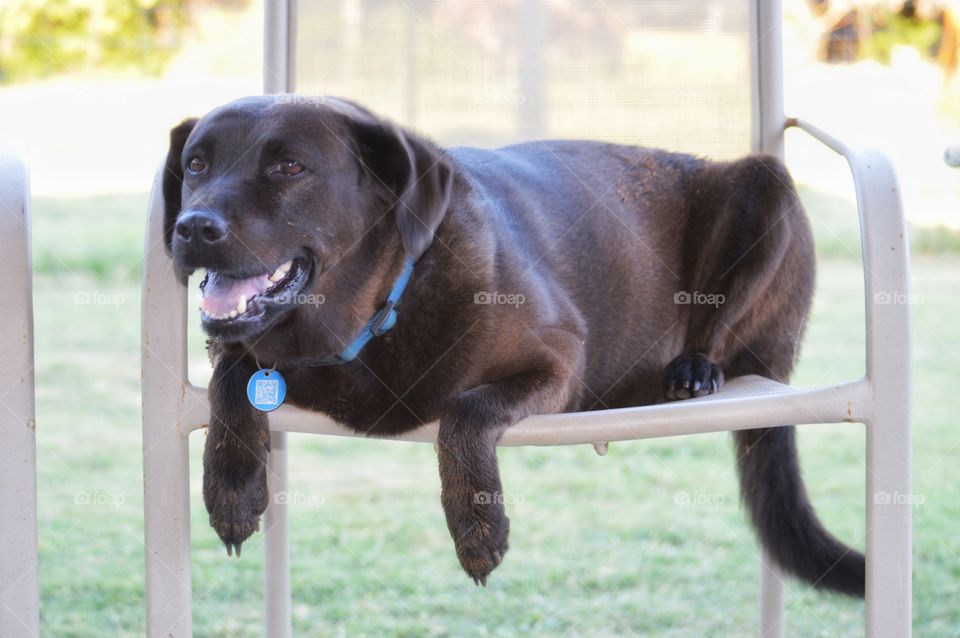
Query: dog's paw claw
point(233, 548)
point(691, 375)
point(482, 549)
point(233, 531)
point(235, 512)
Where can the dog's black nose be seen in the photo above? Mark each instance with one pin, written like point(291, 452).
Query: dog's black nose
point(201, 227)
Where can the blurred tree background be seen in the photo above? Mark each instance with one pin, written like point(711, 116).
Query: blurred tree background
point(870, 29)
point(41, 38)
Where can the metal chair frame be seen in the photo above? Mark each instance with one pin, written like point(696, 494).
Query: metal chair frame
point(19, 615)
point(173, 407)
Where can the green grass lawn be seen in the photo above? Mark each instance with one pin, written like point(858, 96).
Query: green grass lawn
point(599, 546)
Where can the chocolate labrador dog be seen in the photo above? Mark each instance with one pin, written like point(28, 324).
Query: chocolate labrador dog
point(393, 283)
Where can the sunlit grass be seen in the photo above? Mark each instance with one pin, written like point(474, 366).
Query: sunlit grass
point(600, 546)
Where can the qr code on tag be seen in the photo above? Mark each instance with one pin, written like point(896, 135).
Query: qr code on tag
point(267, 391)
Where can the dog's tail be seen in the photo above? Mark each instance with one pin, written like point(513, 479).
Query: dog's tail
point(786, 524)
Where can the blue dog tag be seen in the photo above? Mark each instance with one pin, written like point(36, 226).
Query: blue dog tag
point(266, 390)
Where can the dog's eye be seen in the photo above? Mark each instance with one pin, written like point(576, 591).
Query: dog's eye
point(196, 165)
point(290, 167)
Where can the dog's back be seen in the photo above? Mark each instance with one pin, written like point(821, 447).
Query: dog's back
point(608, 241)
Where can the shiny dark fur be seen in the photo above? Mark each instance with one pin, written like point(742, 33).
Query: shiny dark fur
point(598, 238)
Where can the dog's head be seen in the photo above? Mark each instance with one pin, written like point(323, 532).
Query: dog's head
point(269, 193)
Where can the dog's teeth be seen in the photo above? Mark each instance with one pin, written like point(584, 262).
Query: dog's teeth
point(232, 315)
point(241, 305)
point(281, 271)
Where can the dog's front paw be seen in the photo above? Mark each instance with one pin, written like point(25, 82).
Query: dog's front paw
point(691, 375)
point(235, 509)
point(480, 534)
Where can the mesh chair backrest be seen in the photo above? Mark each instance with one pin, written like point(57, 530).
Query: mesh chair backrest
point(669, 73)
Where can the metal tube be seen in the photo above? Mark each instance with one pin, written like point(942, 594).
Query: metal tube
point(19, 592)
point(277, 78)
point(767, 70)
point(890, 501)
point(768, 118)
point(745, 403)
point(276, 539)
point(166, 466)
point(276, 51)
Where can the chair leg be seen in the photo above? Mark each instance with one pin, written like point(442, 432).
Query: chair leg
point(276, 543)
point(18, 471)
point(771, 599)
point(166, 486)
point(18, 525)
point(889, 510)
point(166, 458)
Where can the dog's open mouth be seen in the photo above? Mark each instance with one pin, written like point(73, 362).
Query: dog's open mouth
point(229, 300)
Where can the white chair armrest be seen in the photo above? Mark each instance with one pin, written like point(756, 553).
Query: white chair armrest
point(886, 256)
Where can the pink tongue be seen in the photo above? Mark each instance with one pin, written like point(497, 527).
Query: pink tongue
point(221, 294)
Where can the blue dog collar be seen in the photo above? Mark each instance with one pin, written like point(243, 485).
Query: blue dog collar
point(383, 321)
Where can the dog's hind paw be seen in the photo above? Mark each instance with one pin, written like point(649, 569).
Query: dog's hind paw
point(691, 375)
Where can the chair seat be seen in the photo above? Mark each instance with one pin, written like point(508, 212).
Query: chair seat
point(743, 403)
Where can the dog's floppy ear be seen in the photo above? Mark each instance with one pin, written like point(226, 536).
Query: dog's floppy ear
point(173, 179)
point(417, 176)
